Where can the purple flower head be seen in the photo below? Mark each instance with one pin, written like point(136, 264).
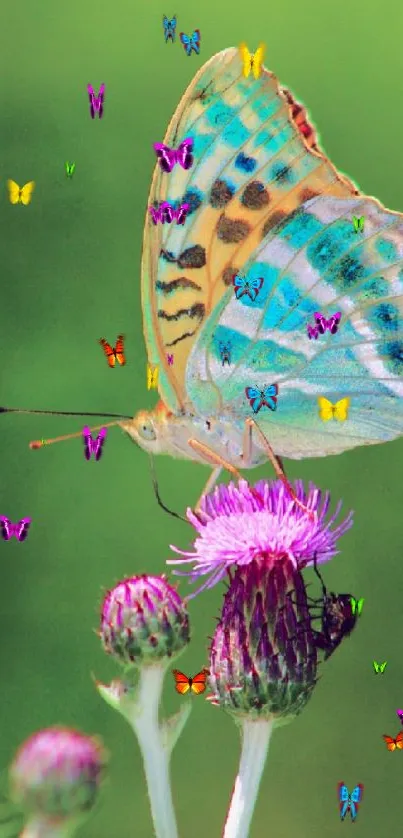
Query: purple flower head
point(56, 774)
point(143, 619)
point(238, 524)
point(263, 656)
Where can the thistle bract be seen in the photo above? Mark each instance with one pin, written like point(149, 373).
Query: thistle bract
point(263, 659)
point(57, 773)
point(144, 620)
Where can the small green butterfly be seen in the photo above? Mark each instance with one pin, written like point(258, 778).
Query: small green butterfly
point(70, 168)
point(379, 667)
point(356, 605)
point(358, 223)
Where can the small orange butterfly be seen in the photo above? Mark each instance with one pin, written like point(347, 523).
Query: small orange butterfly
point(116, 353)
point(196, 685)
point(392, 743)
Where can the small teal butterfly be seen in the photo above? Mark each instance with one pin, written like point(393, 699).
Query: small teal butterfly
point(191, 42)
point(262, 398)
point(267, 205)
point(250, 287)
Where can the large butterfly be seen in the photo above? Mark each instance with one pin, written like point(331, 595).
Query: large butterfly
point(114, 353)
point(169, 28)
point(265, 201)
point(191, 42)
point(18, 530)
point(20, 194)
point(349, 802)
point(196, 685)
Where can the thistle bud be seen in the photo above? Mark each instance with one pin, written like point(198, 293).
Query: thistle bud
point(56, 774)
point(143, 620)
point(263, 659)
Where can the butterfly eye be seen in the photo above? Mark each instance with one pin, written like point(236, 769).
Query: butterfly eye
point(146, 430)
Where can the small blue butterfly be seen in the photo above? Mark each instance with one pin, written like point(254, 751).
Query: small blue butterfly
point(225, 351)
point(192, 42)
point(251, 287)
point(262, 398)
point(169, 28)
point(349, 802)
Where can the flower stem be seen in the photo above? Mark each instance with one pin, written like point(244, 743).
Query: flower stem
point(255, 743)
point(143, 717)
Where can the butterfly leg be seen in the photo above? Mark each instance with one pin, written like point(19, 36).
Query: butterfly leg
point(276, 463)
point(217, 461)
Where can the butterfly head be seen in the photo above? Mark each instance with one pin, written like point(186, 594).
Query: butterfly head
point(150, 429)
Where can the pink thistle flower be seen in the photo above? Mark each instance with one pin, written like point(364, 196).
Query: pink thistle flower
point(238, 525)
point(56, 774)
point(143, 620)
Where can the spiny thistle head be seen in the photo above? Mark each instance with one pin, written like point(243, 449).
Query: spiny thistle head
point(263, 658)
point(56, 774)
point(144, 620)
point(237, 524)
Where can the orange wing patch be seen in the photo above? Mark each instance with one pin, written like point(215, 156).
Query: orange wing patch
point(116, 353)
point(196, 685)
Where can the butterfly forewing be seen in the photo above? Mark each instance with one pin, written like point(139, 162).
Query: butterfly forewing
point(236, 189)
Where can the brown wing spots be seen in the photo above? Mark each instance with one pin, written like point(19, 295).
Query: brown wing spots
point(307, 195)
point(228, 274)
point(221, 194)
point(176, 284)
point(255, 196)
point(192, 257)
point(232, 230)
point(275, 218)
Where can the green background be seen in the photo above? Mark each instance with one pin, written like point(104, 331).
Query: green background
point(70, 273)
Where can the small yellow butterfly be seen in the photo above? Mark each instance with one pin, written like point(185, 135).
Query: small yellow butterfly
point(152, 377)
point(328, 410)
point(252, 61)
point(20, 194)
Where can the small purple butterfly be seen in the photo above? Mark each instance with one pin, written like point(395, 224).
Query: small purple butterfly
point(399, 714)
point(313, 332)
point(332, 324)
point(168, 157)
point(170, 359)
point(93, 446)
point(19, 530)
point(96, 102)
point(166, 213)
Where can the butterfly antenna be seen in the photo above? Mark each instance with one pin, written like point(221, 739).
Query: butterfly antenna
point(40, 443)
point(157, 495)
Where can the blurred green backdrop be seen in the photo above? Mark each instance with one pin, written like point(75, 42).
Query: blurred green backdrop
point(70, 273)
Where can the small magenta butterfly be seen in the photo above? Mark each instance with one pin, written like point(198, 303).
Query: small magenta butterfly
point(93, 446)
point(19, 530)
point(168, 157)
point(166, 213)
